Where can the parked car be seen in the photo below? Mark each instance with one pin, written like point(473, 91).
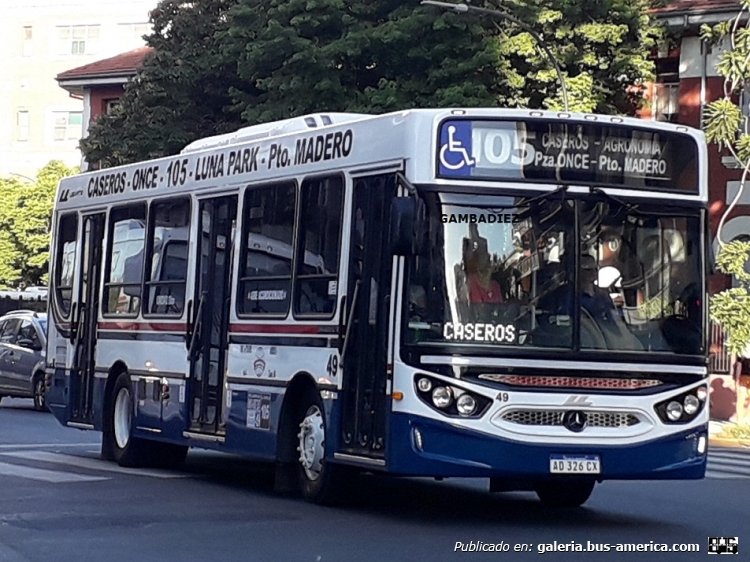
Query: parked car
point(23, 339)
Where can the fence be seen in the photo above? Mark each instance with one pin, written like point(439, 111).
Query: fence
point(719, 359)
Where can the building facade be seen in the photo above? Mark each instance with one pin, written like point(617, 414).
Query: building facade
point(39, 121)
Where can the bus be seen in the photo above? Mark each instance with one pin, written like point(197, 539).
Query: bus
point(516, 295)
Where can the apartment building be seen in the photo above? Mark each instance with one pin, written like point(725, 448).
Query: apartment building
point(39, 121)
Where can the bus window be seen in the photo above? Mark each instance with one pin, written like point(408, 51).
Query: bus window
point(127, 234)
point(65, 262)
point(316, 280)
point(266, 263)
point(168, 243)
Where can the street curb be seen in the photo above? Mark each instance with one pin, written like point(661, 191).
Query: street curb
point(728, 442)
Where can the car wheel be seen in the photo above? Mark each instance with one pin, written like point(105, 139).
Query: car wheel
point(40, 398)
point(564, 493)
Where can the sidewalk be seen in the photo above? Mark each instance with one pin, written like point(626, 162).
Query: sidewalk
point(716, 427)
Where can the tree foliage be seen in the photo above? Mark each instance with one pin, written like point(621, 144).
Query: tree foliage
point(603, 46)
point(25, 212)
point(221, 64)
point(727, 126)
point(180, 93)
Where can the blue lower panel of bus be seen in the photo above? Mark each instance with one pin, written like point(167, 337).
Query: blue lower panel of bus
point(449, 451)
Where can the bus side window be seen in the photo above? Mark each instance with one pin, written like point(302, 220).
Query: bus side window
point(319, 241)
point(168, 250)
point(65, 262)
point(265, 282)
point(127, 230)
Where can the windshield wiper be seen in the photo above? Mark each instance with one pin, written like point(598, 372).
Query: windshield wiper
point(635, 208)
point(613, 199)
point(562, 189)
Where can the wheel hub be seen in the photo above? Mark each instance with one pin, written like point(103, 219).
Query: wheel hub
point(312, 443)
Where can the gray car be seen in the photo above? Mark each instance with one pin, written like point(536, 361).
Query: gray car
point(23, 339)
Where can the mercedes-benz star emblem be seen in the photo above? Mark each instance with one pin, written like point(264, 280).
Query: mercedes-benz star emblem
point(575, 420)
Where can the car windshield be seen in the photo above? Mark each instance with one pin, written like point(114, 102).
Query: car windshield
point(43, 323)
point(501, 271)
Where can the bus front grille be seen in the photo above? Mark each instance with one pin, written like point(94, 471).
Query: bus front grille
point(555, 418)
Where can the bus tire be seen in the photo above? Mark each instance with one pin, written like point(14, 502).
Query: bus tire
point(118, 443)
point(564, 493)
point(319, 480)
point(40, 400)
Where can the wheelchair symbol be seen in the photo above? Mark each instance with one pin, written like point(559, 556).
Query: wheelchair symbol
point(454, 147)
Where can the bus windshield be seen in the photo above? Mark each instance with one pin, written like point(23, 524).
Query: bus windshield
point(512, 271)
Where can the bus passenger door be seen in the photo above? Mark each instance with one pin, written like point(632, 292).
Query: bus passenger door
point(86, 313)
point(210, 313)
point(368, 297)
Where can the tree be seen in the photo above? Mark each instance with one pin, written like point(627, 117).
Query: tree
point(727, 127)
point(389, 55)
point(304, 56)
point(25, 213)
point(603, 46)
point(219, 64)
point(180, 93)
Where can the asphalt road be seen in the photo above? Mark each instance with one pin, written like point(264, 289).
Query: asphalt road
point(59, 503)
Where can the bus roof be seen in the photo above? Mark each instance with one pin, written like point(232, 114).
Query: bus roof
point(311, 144)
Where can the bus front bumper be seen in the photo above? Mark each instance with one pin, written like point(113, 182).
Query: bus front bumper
point(425, 447)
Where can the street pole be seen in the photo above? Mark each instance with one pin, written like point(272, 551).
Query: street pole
point(27, 178)
point(463, 8)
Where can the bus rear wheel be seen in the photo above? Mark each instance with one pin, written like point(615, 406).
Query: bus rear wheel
point(564, 493)
point(319, 479)
point(118, 442)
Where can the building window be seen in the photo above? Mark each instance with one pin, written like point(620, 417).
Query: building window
point(26, 47)
point(666, 102)
point(68, 125)
point(22, 125)
point(77, 39)
point(132, 33)
point(110, 105)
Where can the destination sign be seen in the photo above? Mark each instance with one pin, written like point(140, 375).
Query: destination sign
point(208, 167)
point(537, 150)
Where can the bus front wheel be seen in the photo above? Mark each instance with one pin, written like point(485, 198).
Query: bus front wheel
point(563, 493)
point(319, 479)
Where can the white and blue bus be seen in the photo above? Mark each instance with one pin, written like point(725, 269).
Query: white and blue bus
point(511, 294)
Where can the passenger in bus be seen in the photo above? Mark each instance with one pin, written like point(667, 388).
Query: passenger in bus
point(483, 288)
point(594, 299)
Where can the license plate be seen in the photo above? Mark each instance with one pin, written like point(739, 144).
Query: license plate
point(574, 464)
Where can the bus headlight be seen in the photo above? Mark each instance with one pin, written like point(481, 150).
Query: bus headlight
point(691, 404)
point(442, 397)
point(674, 410)
point(701, 393)
point(466, 405)
point(449, 399)
point(684, 407)
point(424, 384)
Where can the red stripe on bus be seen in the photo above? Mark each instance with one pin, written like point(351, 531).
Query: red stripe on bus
point(274, 329)
point(144, 326)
